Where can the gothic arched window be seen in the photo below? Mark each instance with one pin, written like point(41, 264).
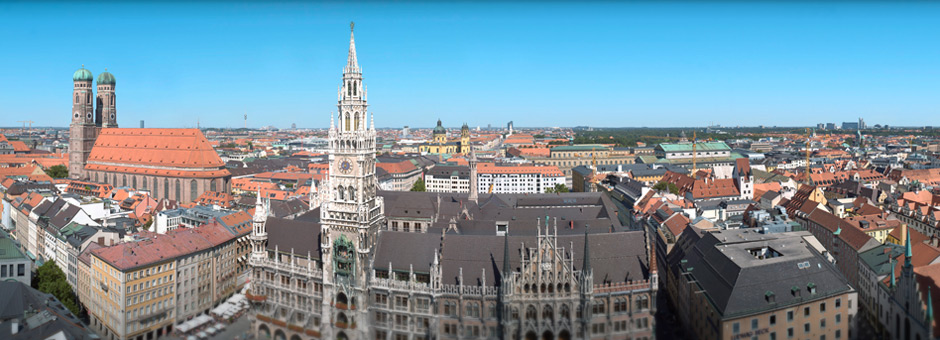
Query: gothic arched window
point(123, 180)
point(212, 186)
point(346, 119)
point(339, 193)
point(134, 182)
point(193, 188)
point(76, 99)
point(166, 188)
point(179, 196)
point(143, 183)
point(352, 193)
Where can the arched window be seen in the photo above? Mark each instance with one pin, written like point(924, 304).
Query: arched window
point(547, 314)
point(76, 98)
point(598, 307)
point(179, 196)
point(339, 193)
point(356, 126)
point(112, 100)
point(346, 119)
point(123, 180)
point(352, 193)
point(531, 313)
point(89, 98)
point(143, 183)
point(166, 188)
point(193, 188)
point(212, 186)
point(134, 182)
point(565, 313)
point(355, 88)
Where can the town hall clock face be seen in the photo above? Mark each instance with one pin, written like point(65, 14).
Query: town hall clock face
point(344, 166)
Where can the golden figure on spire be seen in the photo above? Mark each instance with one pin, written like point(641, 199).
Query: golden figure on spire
point(352, 24)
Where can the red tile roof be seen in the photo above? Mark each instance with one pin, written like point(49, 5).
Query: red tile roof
point(402, 167)
point(156, 248)
point(185, 151)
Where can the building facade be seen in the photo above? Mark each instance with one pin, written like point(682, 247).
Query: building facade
point(466, 269)
point(568, 157)
point(519, 179)
point(739, 284)
point(448, 178)
point(140, 289)
point(177, 164)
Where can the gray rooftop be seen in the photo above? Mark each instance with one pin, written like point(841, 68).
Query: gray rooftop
point(737, 282)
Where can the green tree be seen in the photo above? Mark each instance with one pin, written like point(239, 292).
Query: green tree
point(559, 188)
point(666, 186)
point(57, 171)
point(418, 186)
point(51, 280)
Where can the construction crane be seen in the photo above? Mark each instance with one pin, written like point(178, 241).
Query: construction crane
point(26, 122)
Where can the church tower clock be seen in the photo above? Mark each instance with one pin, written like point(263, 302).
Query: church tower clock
point(350, 212)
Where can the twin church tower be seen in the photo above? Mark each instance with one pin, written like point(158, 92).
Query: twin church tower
point(90, 113)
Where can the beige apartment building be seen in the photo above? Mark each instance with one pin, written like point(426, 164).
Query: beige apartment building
point(739, 284)
point(139, 289)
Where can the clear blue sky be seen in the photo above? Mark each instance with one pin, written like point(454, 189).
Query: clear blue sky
point(554, 64)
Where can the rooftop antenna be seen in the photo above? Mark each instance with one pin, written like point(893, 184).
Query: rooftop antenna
point(246, 120)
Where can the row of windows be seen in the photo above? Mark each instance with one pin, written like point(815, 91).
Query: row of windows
point(20, 270)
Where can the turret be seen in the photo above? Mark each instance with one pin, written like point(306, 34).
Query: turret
point(106, 112)
point(82, 104)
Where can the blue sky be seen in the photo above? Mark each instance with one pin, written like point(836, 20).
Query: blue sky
point(538, 64)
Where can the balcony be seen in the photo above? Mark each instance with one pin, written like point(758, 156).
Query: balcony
point(343, 306)
point(255, 298)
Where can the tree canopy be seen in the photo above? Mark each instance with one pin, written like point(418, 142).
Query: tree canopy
point(51, 280)
point(57, 171)
point(418, 186)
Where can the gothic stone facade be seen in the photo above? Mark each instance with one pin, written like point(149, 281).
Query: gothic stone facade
point(472, 266)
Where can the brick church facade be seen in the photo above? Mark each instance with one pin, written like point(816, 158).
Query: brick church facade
point(177, 164)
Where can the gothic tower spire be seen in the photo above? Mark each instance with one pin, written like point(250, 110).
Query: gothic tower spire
point(352, 64)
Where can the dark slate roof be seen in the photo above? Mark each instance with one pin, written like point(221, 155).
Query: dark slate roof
point(737, 282)
point(446, 171)
point(50, 316)
point(64, 216)
point(404, 250)
point(300, 236)
point(616, 257)
point(309, 216)
point(288, 208)
point(19, 187)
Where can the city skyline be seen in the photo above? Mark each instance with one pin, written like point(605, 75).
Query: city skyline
point(486, 64)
